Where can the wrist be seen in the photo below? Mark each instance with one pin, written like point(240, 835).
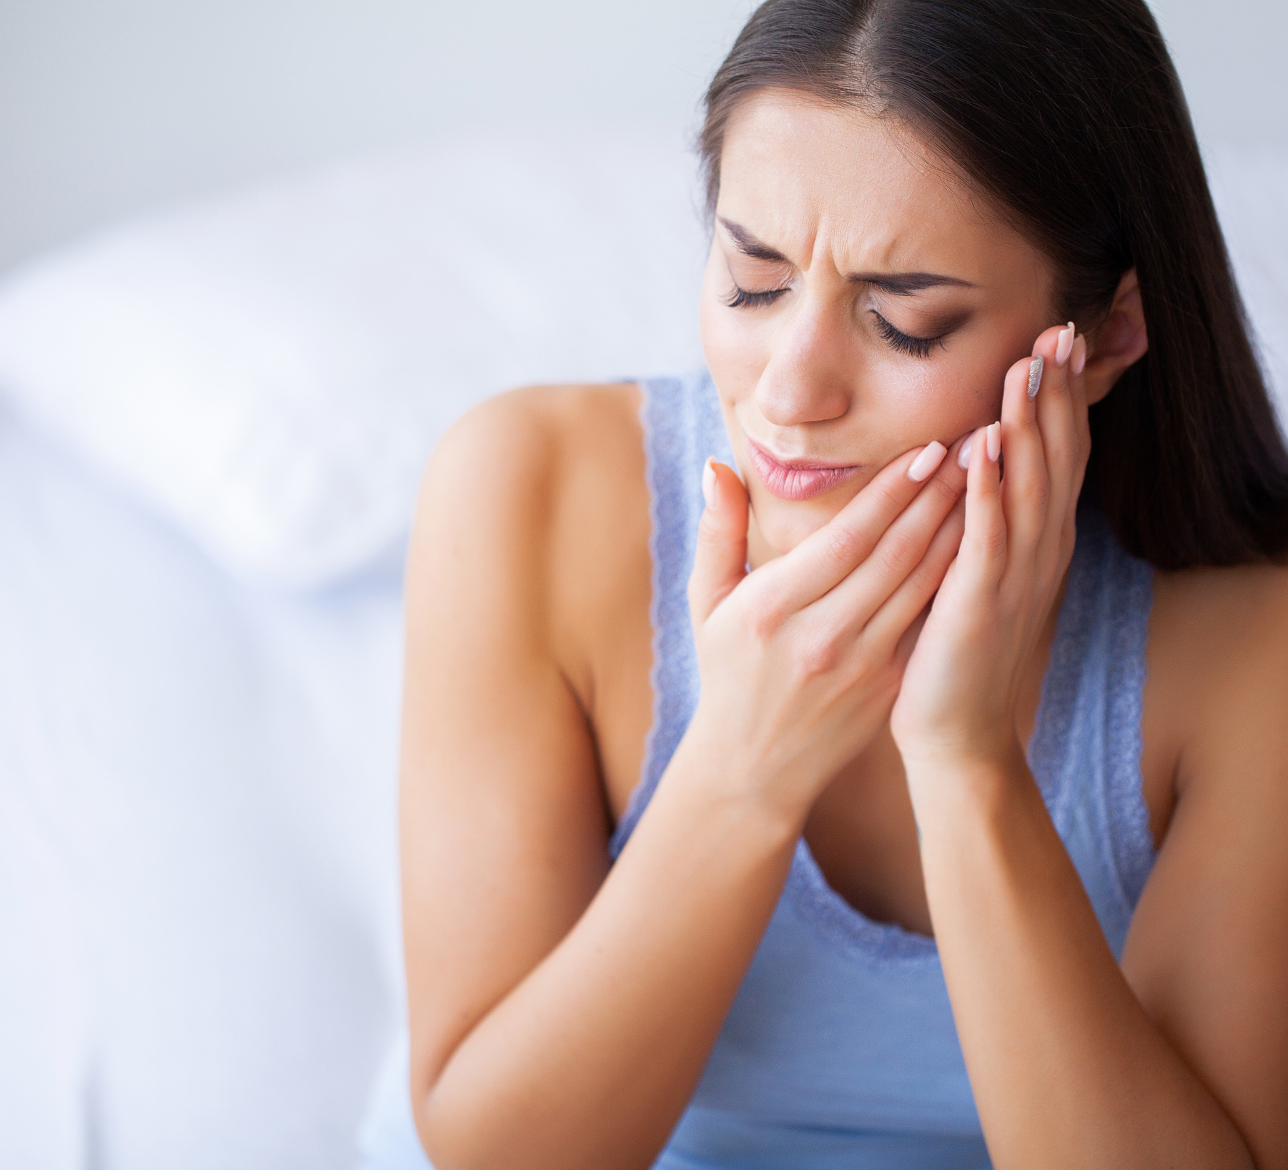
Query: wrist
point(721, 785)
point(950, 787)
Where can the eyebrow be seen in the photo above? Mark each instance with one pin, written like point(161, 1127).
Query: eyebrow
point(903, 283)
point(748, 245)
point(896, 283)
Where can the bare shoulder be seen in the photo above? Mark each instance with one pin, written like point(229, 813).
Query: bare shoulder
point(542, 490)
point(1219, 646)
point(518, 448)
point(1218, 618)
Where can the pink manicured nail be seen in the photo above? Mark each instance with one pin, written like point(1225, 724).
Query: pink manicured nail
point(1035, 375)
point(1079, 355)
point(993, 441)
point(923, 467)
point(963, 456)
point(709, 483)
point(1064, 346)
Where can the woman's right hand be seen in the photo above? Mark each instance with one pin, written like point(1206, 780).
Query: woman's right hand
point(801, 660)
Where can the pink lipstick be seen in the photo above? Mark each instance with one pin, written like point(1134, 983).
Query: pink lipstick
point(798, 479)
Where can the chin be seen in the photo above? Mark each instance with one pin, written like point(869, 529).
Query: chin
point(783, 525)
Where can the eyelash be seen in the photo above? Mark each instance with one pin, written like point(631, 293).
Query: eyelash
point(918, 347)
point(740, 298)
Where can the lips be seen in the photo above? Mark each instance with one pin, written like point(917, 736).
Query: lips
point(798, 479)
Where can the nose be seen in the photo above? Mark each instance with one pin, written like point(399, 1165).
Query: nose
point(806, 378)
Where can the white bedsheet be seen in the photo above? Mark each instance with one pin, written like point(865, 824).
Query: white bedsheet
point(198, 947)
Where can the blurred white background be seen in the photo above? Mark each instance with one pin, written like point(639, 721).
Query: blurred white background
point(111, 107)
point(211, 427)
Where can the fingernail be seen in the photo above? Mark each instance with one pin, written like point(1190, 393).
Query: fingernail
point(1035, 375)
point(1079, 355)
point(963, 456)
point(709, 483)
point(993, 440)
point(1064, 346)
point(923, 467)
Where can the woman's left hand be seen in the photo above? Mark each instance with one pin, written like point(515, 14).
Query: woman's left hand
point(960, 690)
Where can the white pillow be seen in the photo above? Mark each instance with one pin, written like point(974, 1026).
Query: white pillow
point(273, 370)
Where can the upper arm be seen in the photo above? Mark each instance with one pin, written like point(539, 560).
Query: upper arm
point(502, 821)
point(1208, 949)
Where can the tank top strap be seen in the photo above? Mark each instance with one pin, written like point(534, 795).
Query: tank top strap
point(682, 428)
point(1086, 747)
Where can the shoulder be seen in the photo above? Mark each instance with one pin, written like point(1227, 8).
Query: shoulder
point(1219, 647)
point(1214, 618)
point(537, 435)
point(525, 458)
point(534, 501)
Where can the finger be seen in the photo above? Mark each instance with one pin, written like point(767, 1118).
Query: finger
point(1026, 485)
point(905, 605)
point(1078, 387)
point(985, 540)
point(720, 561)
point(908, 642)
point(827, 556)
point(1058, 427)
point(898, 553)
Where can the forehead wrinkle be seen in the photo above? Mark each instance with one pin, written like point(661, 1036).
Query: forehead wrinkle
point(870, 244)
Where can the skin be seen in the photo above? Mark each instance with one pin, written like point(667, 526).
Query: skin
point(875, 674)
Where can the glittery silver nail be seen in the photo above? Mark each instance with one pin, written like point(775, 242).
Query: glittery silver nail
point(1035, 375)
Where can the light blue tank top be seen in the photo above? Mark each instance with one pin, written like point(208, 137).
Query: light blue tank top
point(840, 1048)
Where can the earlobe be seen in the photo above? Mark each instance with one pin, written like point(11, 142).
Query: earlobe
point(1121, 340)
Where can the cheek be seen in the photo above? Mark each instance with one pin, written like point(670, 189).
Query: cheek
point(902, 403)
point(954, 392)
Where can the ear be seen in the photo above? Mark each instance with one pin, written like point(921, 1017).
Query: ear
point(1120, 341)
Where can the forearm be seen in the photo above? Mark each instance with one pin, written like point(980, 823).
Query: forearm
point(592, 1058)
point(1066, 1067)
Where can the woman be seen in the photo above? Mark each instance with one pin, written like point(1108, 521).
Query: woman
point(947, 827)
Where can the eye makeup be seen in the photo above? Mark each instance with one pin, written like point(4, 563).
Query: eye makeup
point(918, 347)
point(905, 343)
point(742, 298)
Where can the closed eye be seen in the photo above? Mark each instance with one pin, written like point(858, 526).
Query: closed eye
point(918, 347)
point(741, 298)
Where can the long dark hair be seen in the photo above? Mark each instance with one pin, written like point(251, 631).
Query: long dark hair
point(1070, 116)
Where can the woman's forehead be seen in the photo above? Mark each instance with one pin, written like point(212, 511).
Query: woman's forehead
point(808, 178)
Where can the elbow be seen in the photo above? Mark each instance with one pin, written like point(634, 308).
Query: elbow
point(455, 1136)
point(443, 1137)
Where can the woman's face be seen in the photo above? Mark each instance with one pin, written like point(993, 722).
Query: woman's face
point(859, 300)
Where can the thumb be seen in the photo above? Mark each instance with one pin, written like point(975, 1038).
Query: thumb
point(721, 558)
